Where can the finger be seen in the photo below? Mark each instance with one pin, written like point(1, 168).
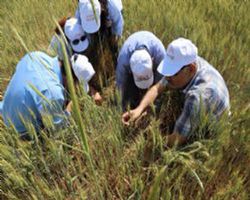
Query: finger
point(125, 121)
point(124, 115)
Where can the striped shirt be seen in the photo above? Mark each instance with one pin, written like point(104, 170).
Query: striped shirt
point(207, 92)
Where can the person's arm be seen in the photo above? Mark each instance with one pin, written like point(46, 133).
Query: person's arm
point(116, 18)
point(68, 108)
point(148, 99)
point(175, 139)
point(96, 96)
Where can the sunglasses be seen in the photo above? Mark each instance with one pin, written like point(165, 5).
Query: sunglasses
point(76, 41)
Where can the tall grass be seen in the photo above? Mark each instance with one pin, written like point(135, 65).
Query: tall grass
point(132, 163)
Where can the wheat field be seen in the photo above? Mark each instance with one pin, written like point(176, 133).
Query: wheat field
point(96, 157)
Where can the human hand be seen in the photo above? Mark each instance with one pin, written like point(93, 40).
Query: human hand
point(69, 107)
point(97, 98)
point(130, 116)
point(175, 139)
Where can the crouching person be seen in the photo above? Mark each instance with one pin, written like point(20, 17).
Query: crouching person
point(137, 64)
point(38, 89)
point(202, 85)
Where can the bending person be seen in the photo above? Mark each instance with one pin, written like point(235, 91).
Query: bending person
point(137, 65)
point(201, 83)
point(38, 89)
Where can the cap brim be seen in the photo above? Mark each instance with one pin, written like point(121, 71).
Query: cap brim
point(168, 68)
point(145, 84)
point(81, 46)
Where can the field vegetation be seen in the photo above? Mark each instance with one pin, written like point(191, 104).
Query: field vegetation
point(96, 157)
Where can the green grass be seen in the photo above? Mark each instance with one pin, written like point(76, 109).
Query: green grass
point(131, 163)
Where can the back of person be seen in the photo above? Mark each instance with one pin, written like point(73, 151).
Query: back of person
point(22, 103)
point(125, 80)
point(140, 39)
point(209, 85)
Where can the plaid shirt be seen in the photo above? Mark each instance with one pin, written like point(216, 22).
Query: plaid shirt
point(206, 91)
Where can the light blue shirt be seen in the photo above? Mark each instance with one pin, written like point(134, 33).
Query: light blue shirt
point(34, 91)
point(135, 41)
point(114, 14)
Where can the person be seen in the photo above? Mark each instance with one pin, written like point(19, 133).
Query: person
point(137, 65)
point(77, 41)
point(38, 89)
point(103, 21)
point(202, 85)
point(103, 15)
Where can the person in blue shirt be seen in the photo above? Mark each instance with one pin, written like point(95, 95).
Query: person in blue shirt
point(204, 88)
point(77, 41)
point(107, 16)
point(103, 21)
point(38, 89)
point(136, 67)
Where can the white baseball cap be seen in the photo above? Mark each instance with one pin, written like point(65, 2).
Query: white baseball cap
point(142, 68)
point(90, 15)
point(83, 69)
point(74, 32)
point(179, 53)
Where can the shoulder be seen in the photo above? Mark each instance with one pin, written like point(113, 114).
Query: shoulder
point(117, 4)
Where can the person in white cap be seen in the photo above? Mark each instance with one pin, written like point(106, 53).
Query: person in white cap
point(103, 21)
point(77, 40)
point(38, 89)
point(137, 65)
point(202, 85)
point(92, 13)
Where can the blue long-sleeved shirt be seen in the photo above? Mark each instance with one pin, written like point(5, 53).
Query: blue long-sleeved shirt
point(35, 91)
point(114, 15)
point(133, 42)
